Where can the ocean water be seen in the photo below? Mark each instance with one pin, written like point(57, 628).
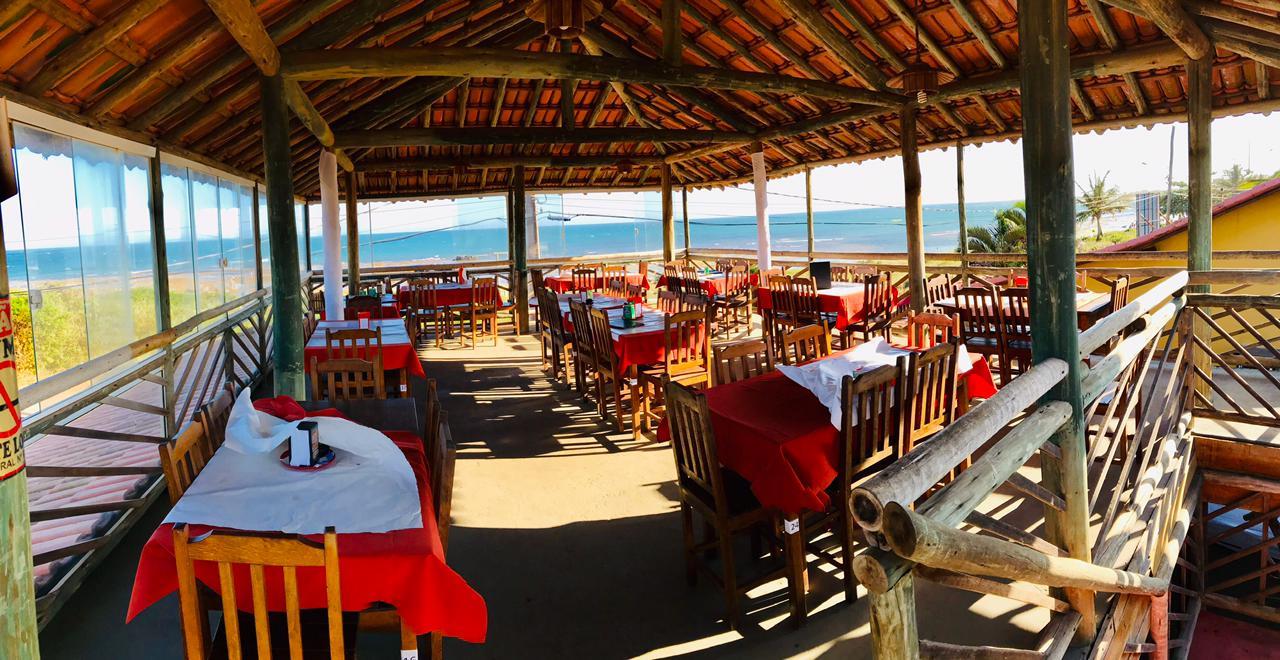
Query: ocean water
point(860, 230)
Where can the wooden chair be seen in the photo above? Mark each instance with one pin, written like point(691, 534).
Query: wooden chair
point(271, 634)
point(618, 273)
point(1119, 292)
point(927, 329)
point(425, 310)
point(981, 319)
point(670, 302)
point(805, 308)
point(184, 458)
point(560, 344)
point(584, 354)
point(877, 309)
point(484, 309)
point(930, 391)
point(734, 300)
point(213, 415)
point(686, 360)
point(358, 343)
point(440, 276)
point(348, 379)
point(697, 302)
point(741, 360)
point(871, 437)
point(643, 269)
point(805, 343)
point(608, 376)
point(362, 303)
point(938, 288)
point(1015, 354)
point(721, 498)
point(583, 279)
point(779, 319)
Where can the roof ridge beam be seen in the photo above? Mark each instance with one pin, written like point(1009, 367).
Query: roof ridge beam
point(452, 137)
point(496, 63)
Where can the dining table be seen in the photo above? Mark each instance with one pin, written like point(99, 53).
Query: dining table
point(448, 294)
point(404, 568)
point(638, 344)
point(845, 301)
point(1091, 306)
point(399, 355)
point(712, 282)
point(778, 436)
point(390, 309)
point(563, 283)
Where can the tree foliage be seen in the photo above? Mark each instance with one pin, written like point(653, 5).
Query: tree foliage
point(1009, 234)
point(1098, 200)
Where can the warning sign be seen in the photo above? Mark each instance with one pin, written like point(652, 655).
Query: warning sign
point(12, 458)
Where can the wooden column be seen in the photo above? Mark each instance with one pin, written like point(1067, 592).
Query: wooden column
point(257, 241)
point(893, 622)
point(1051, 240)
point(684, 206)
point(808, 207)
point(519, 258)
point(964, 222)
point(18, 631)
point(286, 285)
point(160, 247)
point(331, 235)
point(672, 37)
point(353, 235)
point(1199, 166)
point(914, 206)
point(764, 247)
point(668, 216)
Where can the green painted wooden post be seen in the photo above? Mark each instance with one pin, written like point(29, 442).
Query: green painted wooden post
point(519, 251)
point(668, 216)
point(257, 240)
point(684, 205)
point(808, 207)
point(18, 631)
point(1051, 238)
point(964, 222)
point(914, 206)
point(286, 283)
point(160, 269)
point(353, 236)
point(1199, 166)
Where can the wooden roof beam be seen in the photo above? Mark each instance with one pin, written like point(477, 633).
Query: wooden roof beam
point(900, 10)
point(498, 162)
point(242, 21)
point(836, 42)
point(672, 36)
point(66, 61)
point(867, 33)
point(1178, 25)
point(496, 62)
point(988, 44)
point(452, 137)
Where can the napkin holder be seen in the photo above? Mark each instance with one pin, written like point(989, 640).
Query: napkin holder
point(304, 444)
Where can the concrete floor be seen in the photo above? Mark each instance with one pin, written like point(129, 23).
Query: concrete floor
point(571, 533)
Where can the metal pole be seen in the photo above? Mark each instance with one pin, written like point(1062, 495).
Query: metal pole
point(18, 632)
point(286, 285)
point(1051, 240)
point(914, 207)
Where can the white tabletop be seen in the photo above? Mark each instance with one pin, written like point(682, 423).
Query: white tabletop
point(393, 331)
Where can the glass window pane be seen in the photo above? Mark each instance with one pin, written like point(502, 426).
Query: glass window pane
point(248, 242)
point(48, 200)
point(20, 301)
point(204, 205)
point(180, 242)
point(232, 259)
point(104, 246)
point(137, 221)
point(264, 234)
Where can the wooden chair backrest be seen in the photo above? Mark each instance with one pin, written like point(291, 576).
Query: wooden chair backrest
point(635, 291)
point(550, 315)
point(580, 315)
point(741, 360)
point(614, 272)
point(643, 269)
point(736, 280)
point(440, 276)
point(362, 303)
point(871, 423)
point(689, 274)
point(687, 342)
point(780, 294)
point(693, 442)
point(927, 329)
point(877, 295)
point(445, 456)
point(980, 312)
point(696, 302)
point(1016, 304)
point(670, 302)
point(807, 342)
point(422, 295)
point(930, 390)
point(1119, 292)
point(583, 279)
point(359, 343)
point(536, 277)
point(615, 287)
point(804, 299)
point(214, 414)
point(254, 553)
point(938, 288)
point(484, 294)
point(348, 379)
point(184, 458)
point(602, 341)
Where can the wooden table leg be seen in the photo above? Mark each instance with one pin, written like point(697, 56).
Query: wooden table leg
point(797, 568)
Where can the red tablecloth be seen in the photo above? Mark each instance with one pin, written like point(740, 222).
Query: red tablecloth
point(564, 283)
point(636, 347)
point(778, 436)
point(390, 310)
point(711, 284)
point(447, 295)
point(403, 568)
point(845, 300)
point(397, 351)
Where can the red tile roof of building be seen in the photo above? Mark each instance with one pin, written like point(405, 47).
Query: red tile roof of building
point(1233, 202)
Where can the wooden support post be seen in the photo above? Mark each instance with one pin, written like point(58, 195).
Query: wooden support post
point(331, 235)
point(353, 235)
point(257, 242)
point(1158, 623)
point(1200, 197)
point(964, 222)
point(764, 256)
point(286, 285)
point(668, 216)
point(519, 258)
point(914, 206)
point(893, 622)
point(808, 207)
point(18, 631)
point(684, 207)
point(160, 270)
point(672, 37)
point(1051, 228)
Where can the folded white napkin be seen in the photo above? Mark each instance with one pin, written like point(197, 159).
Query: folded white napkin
point(250, 431)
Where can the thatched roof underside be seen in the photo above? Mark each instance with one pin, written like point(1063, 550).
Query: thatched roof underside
point(169, 72)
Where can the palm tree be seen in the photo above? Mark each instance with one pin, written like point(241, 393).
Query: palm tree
point(1098, 200)
point(1009, 234)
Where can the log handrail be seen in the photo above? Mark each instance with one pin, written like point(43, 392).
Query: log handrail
point(1107, 328)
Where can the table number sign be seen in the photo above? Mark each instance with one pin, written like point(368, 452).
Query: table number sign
point(304, 445)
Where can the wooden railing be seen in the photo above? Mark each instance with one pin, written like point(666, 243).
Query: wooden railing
point(142, 393)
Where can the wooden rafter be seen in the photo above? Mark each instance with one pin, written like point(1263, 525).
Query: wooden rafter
point(89, 44)
point(1174, 21)
point(839, 45)
point(615, 160)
